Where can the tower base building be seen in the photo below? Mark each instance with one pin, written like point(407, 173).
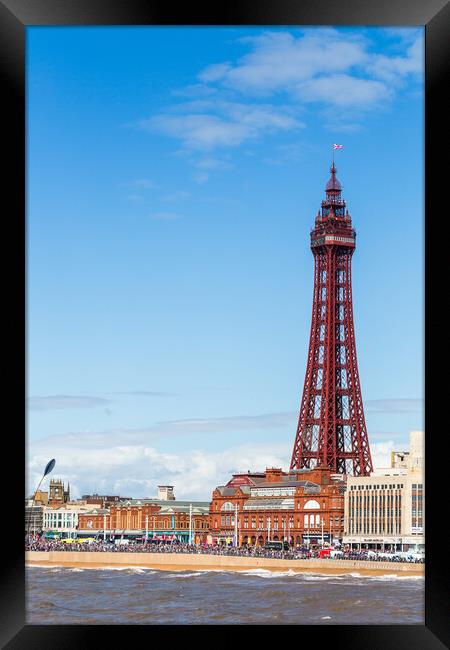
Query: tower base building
point(302, 507)
point(385, 511)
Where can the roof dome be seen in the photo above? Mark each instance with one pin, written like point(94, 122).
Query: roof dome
point(333, 184)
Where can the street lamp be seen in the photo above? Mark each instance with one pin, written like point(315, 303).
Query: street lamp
point(322, 524)
point(48, 468)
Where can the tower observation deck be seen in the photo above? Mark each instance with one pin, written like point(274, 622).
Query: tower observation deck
point(331, 427)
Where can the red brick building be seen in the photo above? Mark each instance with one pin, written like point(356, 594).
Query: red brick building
point(160, 519)
point(301, 506)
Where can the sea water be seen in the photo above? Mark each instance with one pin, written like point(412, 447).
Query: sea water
point(137, 595)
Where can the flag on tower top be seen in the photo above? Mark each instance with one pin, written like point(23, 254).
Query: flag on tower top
point(338, 146)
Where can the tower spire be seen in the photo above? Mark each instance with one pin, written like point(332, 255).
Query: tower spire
point(331, 429)
point(333, 184)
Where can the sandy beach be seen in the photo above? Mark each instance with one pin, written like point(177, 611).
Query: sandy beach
point(184, 562)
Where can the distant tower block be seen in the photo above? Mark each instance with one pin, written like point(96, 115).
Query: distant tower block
point(165, 492)
point(331, 427)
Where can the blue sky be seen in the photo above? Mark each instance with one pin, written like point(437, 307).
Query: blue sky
point(173, 176)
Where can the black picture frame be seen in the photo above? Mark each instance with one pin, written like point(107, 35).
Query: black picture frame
point(15, 16)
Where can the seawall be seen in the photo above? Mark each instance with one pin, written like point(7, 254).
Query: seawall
point(188, 562)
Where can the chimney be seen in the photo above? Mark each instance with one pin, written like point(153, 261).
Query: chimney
point(273, 474)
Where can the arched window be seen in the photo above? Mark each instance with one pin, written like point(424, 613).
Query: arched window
point(227, 506)
point(312, 505)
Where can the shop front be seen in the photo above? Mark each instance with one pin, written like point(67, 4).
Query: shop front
point(316, 539)
point(388, 544)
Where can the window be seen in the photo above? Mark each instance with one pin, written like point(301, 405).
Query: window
point(312, 505)
point(227, 506)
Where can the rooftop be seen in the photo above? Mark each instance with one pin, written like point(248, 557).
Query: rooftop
point(175, 505)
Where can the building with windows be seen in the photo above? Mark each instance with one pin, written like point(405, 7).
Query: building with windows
point(41, 498)
point(102, 500)
point(300, 506)
point(63, 520)
point(385, 511)
point(33, 517)
point(154, 518)
point(165, 493)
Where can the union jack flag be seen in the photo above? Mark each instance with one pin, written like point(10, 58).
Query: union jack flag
point(338, 146)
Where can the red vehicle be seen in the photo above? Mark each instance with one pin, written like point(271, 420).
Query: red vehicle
point(325, 552)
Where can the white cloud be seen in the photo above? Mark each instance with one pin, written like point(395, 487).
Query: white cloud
point(129, 462)
point(279, 61)
point(65, 402)
point(144, 183)
point(135, 198)
point(344, 91)
point(145, 393)
point(200, 177)
point(327, 65)
point(220, 122)
point(395, 405)
point(381, 453)
point(393, 69)
point(194, 90)
point(179, 195)
point(198, 131)
point(322, 65)
point(214, 72)
point(136, 469)
point(203, 125)
point(212, 163)
point(337, 70)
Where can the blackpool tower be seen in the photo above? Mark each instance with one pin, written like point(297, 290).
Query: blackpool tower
point(331, 428)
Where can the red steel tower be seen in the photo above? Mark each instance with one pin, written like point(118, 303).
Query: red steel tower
point(331, 427)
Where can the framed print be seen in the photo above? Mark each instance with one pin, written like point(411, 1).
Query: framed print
point(224, 227)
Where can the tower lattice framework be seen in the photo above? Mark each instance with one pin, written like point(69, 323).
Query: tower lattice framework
point(331, 428)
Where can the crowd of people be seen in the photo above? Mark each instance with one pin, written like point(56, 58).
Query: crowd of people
point(294, 553)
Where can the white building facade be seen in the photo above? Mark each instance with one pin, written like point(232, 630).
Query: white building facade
point(63, 520)
point(386, 511)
